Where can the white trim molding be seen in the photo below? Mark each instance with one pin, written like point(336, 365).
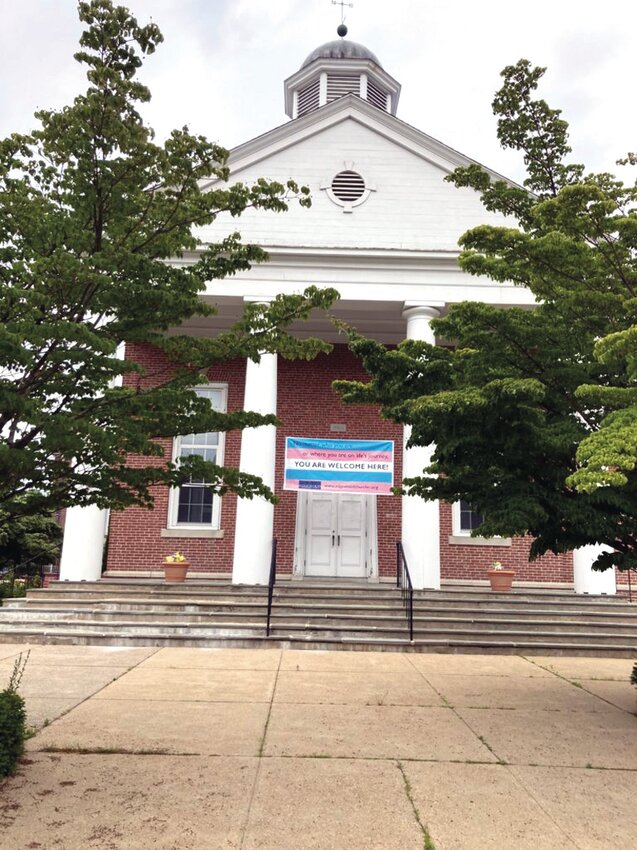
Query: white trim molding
point(348, 206)
point(462, 536)
point(175, 528)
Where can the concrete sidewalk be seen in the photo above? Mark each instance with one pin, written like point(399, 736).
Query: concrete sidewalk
point(185, 749)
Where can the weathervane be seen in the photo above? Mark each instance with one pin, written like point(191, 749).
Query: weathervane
point(342, 29)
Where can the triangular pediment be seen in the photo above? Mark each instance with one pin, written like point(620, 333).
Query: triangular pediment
point(408, 204)
point(351, 107)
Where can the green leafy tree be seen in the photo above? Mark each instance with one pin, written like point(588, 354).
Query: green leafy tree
point(533, 412)
point(30, 542)
point(91, 210)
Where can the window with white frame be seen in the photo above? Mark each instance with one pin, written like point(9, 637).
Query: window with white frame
point(465, 520)
point(194, 505)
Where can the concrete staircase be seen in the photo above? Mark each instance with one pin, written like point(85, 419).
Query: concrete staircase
point(325, 615)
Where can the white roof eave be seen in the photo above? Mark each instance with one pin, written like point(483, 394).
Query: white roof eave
point(350, 106)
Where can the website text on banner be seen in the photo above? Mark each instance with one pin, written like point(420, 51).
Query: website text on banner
point(339, 466)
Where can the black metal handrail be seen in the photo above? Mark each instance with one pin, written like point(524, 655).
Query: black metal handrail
point(271, 583)
point(403, 582)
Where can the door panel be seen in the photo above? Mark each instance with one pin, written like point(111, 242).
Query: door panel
point(350, 555)
point(335, 535)
point(320, 554)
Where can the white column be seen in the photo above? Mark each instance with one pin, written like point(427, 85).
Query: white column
point(591, 581)
point(420, 519)
point(83, 544)
point(255, 517)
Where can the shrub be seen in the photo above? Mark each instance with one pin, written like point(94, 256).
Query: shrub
point(12, 720)
point(11, 588)
point(633, 677)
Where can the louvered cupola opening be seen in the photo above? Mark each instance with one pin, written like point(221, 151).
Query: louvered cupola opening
point(376, 96)
point(340, 84)
point(309, 98)
point(335, 70)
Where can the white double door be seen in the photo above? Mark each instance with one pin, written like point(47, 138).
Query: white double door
point(337, 535)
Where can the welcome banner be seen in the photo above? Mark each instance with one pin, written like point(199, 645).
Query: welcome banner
point(339, 466)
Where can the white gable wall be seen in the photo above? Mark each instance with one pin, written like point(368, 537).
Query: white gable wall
point(413, 208)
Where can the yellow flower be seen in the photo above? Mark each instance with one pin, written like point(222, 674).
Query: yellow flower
point(175, 558)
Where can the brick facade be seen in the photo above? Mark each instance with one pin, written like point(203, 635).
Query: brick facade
point(470, 561)
point(307, 406)
point(134, 540)
point(300, 385)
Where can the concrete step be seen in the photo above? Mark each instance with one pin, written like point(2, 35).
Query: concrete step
point(320, 630)
point(628, 615)
point(322, 589)
point(477, 597)
point(191, 606)
point(141, 601)
point(38, 613)
point(424, 601)
point(169, 618)
point(329, 587)
point(128, 629)
point(161, 592)
point(290, 611)
point(320, 614)
point(205, 612)
point(310, 642)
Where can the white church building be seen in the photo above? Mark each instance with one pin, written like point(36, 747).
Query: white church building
point(383, 231)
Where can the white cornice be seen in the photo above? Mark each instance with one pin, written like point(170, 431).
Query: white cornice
point(366, 276)
point(352, 258)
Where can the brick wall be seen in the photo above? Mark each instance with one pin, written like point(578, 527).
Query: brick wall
point(134, 538)
point(621, 577)
point(135, 541)
point(471, 561)
point(307, 406)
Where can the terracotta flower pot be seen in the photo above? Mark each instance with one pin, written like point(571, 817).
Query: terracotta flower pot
point(175, 571)
point(501, 580)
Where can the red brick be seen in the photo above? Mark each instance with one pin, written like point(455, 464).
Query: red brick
point(307, 406)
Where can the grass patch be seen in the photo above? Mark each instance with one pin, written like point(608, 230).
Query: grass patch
point(112, 751)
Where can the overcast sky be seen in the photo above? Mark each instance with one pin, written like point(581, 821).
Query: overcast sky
point(223, 62)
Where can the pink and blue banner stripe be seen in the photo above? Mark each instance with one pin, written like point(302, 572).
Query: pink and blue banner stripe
point(339, 466)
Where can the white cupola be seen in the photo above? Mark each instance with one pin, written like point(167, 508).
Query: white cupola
point(335, 69)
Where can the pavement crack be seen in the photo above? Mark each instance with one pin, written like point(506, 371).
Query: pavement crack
point(576, 683)
point(428, 843)
point(481, 738)
point(542, 808)
point(99, 690)
point(260, 757)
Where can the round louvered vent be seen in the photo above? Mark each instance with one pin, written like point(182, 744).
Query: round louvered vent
point(348, 186)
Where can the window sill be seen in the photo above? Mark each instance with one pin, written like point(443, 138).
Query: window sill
point(192, 532)
point(462, 540)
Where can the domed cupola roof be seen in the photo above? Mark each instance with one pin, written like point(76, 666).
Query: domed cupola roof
point(335, 69)
point(341, 49)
